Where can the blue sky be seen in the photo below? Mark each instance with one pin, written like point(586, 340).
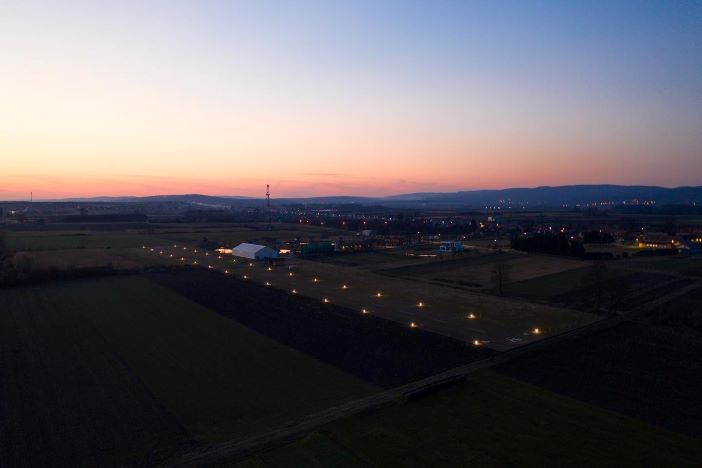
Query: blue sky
point(209, 96)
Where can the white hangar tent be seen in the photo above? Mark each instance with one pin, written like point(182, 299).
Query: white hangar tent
point(254, 251)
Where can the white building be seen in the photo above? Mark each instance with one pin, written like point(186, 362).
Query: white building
point(254, 251)
point(451, 246)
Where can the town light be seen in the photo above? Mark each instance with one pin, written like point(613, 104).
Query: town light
point(267, 283)
point(344, 287)
point(476, 342)
point(226, 272)
point(413, 325)
point(315, 280)
point(294, 291)
point(471, 316)
point(325, 300)
point(246, 277)
point(420, 304)
point(536, 331)
point(364, 311)
point(378, 294)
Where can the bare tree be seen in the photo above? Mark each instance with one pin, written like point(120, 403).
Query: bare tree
point(594, 281)
point(500, 275)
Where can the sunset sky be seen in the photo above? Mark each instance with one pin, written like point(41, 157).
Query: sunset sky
point(362, 97)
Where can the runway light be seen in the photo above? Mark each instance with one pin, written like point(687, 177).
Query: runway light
point(181, 259)
point(471, 316)
point(413, 325)
point(219, 257)
point(536, 331)
point(143, 246)
point(267, 283)
point(378, 294)
point(315, 280)
point(171, 255)
point(290, 274)
point(250, 264)
point(209, 266)
point(207, 254)
point(344, 287)
point(234, 260)
point(226, 272)
point(195, 262)
point(364, 311)
point(151, 250)
point(325, 300)
point(195, 251)
point(246, 277)
point(294, 291)
point(476, 342)
point(174, 246)
point(270, 269)
point(420, 304)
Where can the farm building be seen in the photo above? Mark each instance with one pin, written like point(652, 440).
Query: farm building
point(254, 251)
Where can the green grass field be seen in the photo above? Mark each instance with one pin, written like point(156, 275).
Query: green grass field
point(217, 377)
point(491, 420)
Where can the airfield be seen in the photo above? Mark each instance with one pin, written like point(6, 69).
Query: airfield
point(380, 288)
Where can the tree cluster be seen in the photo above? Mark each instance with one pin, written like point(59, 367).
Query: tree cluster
point(548, 243)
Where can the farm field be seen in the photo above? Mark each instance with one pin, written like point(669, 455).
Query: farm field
point(101, 372)
point(490, 420)
point(549, 286)
point(496, 322)
point(78, 239)
point(648, 372)
point(119, 258)
point(66, 397)
point(476, 269)
point(371, 348)
point(106, 236)
point(218, 377)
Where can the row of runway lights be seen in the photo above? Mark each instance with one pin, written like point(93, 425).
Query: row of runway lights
point(471, 316)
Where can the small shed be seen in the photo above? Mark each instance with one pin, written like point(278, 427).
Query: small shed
point(254, 251)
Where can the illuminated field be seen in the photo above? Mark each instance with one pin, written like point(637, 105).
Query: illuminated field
point(495, 322)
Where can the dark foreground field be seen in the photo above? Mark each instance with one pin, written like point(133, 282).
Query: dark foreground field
point(379, 351)
point(120, 370)
point(489, 421)
point(652, 373)
point(66, 398)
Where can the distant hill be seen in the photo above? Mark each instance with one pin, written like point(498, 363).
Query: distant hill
point(517, 197)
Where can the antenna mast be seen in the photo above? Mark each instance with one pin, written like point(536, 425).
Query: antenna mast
point(268, 205)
